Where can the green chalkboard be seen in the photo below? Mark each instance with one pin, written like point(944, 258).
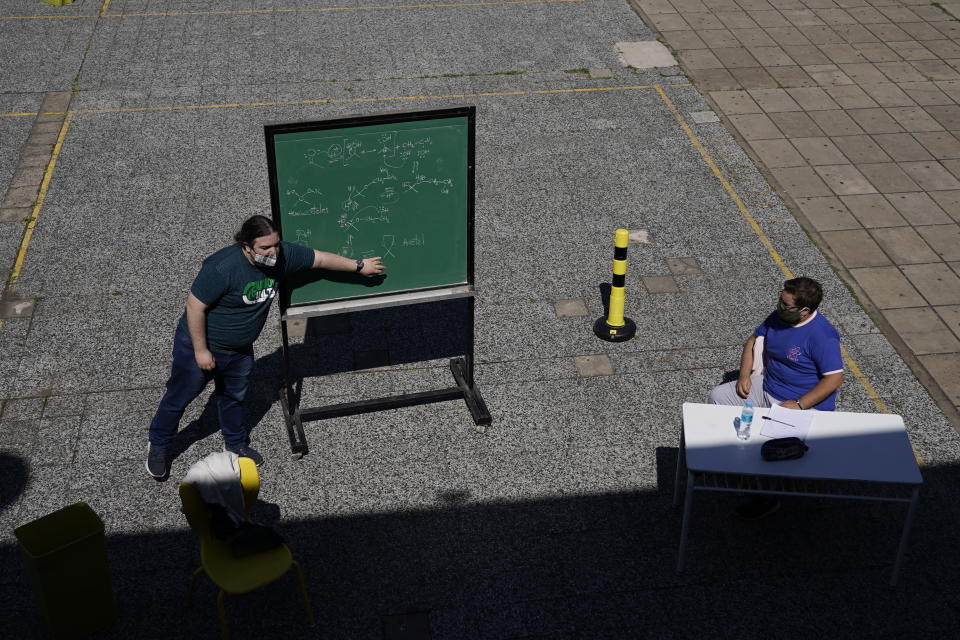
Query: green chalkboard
point(399, 186)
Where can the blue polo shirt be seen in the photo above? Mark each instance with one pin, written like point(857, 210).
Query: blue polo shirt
point(238, 294)
point(797, 357)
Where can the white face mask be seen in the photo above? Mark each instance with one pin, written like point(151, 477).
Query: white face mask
point(268, 260)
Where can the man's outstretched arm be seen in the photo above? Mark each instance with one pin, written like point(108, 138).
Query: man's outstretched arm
point(333, 262)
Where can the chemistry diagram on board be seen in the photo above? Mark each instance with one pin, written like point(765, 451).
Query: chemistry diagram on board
point(398, 189)
point(394, 169)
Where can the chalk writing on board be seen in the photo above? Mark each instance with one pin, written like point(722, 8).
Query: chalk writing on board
point(387, 169)
point(307, 203)
point(394, 185)
point(302, 235)
point(387, 243)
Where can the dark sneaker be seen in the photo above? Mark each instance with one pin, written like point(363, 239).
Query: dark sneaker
point(757, 508)
point(158, 465)
point(246, 451)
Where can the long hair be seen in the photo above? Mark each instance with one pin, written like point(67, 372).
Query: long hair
point(254, 227)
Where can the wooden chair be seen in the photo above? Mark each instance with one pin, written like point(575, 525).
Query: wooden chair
point(229, 573)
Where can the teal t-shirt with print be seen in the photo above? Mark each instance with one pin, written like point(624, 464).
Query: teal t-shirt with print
point(238, 294)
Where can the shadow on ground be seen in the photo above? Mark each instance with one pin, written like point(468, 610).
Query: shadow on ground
point(593, 566)
point(14, 472)
point(391, 337)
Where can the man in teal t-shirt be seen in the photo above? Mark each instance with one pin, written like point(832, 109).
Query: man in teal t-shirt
point(225, 313)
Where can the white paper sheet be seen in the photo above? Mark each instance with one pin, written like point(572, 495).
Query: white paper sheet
point(787, 423)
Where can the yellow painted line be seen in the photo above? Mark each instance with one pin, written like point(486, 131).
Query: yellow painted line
point(19, 114)
point(446, 96)
point(429, 5)
point(63, 17)
point(237, 12)
point(878, 402)
point(726, 185)
point(35, 214)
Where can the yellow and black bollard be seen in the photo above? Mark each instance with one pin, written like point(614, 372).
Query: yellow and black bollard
point(615, 327)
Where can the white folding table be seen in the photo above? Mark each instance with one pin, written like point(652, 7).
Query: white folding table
point(855, 456)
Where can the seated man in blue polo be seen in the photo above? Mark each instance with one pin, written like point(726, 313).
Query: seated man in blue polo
point(803, 367)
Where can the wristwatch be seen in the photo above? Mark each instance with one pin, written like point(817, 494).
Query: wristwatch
point(359, 266)
point(798, 404)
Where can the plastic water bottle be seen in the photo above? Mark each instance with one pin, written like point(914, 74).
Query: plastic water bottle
point(746, 419)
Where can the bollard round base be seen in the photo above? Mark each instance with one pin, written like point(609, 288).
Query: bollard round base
point(615, 334)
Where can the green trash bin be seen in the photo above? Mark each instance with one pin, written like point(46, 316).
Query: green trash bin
point(65, 554)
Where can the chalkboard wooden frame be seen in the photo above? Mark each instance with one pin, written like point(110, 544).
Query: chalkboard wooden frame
point(462, 368)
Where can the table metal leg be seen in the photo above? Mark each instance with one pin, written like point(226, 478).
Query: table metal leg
point(680, 465)
point(687, 502)
point(904, 536)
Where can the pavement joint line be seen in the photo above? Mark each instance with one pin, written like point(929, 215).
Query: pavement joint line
point(238, 105)
point(102, 13)
point(878, 402)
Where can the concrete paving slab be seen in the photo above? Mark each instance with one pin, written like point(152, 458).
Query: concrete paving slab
point(860, 149)
point(945, 368)
point(951, 317)
point(704, 117)
point(918, 208)
point(851, 96)
point(778, 153)
point(949, 202)
point(887, 287)
point(570, 308)
point(904, 245)
point(855, 248)
point(938, 284)
point(819, 151)
point(888, 177)
point(845, 180)
point(645, 55)
point(943, 239)
point(796, 125)
point(922, 330)
point(827, 213)
point(801, 182)
point(902, 147)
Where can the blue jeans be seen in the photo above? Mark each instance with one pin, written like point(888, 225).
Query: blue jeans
point(187, 380)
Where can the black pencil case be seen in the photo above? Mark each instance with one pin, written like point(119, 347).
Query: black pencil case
point(783, 449)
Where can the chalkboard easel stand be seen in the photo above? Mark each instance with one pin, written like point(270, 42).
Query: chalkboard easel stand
point(461, 368)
